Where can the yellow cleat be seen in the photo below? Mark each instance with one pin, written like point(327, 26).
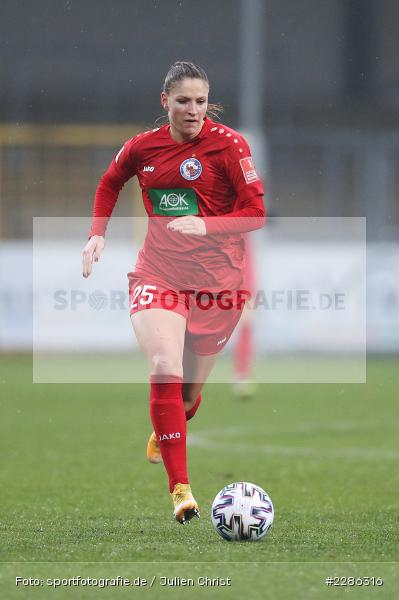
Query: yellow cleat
point(185, 506)
point(153, 451)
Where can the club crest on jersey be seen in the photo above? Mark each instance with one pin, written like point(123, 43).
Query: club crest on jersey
point(191, 169)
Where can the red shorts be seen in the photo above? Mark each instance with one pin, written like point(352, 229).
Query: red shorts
point(210, 316)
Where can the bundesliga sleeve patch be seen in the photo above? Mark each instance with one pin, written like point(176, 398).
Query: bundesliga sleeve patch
point(248, 168)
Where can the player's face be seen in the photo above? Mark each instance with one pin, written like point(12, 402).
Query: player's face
point(186, 105)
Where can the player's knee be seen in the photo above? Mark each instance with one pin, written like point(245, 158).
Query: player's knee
point(166, 365)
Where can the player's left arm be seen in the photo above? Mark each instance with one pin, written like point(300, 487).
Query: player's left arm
point(250, 212)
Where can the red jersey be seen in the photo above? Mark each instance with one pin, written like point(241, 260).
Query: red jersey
point(211, 176)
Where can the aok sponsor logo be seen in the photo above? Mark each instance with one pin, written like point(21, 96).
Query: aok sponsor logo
point(174, 201)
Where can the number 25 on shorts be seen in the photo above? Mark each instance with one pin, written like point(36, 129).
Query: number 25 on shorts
point(146, 293)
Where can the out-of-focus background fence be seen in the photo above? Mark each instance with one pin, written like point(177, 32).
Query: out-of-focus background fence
point(52, 170)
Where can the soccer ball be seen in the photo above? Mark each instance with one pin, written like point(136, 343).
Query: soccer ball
point(242, 511)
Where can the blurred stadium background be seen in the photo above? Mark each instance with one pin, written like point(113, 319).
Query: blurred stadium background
point(314, 86)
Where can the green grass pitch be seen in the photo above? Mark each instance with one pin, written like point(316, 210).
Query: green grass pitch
point(78, 497)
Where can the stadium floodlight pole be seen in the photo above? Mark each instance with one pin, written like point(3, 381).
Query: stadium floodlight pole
point(252, 83)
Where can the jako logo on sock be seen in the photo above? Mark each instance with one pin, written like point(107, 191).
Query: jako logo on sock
point(169, 436)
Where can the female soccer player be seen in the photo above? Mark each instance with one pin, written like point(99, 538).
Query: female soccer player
point(200, 191)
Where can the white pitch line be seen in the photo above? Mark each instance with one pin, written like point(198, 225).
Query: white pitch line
point(304, 427)
point(203, 441)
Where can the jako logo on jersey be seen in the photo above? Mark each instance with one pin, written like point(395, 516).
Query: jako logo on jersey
point(248, 168)
point(221, 341)
point(173, 201)
point(150, 169)
point(191, 169)
point(169, 436)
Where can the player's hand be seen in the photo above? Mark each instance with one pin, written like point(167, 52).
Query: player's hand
point(189, 225)
point(92, 252)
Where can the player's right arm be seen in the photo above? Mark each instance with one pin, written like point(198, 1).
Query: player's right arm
point(91, 253)
point(121, 169)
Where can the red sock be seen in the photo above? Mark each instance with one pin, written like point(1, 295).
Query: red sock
point(243, 352)
point(190, 413)
point(169, 421)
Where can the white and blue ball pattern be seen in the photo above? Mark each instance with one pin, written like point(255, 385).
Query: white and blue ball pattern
point(242, 511)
